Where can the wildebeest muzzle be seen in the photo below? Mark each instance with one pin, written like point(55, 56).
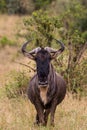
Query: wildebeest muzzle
point(44, 84)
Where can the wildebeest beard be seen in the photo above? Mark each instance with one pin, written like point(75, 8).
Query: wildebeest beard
point(43, 71)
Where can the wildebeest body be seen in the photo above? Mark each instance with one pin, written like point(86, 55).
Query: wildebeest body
point(55, 93)
point(47, 88)
point(56, 90)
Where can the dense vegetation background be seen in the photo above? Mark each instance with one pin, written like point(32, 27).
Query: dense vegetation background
point(41, 21)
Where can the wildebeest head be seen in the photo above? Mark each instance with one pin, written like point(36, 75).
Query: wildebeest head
point(42, 56)
point(43, 59)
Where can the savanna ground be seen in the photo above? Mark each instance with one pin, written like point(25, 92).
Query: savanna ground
point(18, 113)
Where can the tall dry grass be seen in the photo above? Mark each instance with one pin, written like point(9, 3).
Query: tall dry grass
point(19, 114)
point(8, 25)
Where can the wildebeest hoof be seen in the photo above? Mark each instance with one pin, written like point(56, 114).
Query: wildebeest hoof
point(39, 124)
point(52, 124)
point(36, 123)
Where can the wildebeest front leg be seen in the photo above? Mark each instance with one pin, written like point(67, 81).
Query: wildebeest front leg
point(46, 114)
point(52, 112)
point(37, 120)
point(40, 114)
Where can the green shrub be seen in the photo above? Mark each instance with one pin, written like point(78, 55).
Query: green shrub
point(20, 6)
point(77, 79)
point(5, 41)
point(42, 3)
point(41, 27)
point(17, 85)
point(84, 35)
point(3, 6)
point(75, 36)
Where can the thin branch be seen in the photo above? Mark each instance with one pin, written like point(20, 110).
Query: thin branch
point(70, 55)
point(81, 53)
point(26, 66)
point(58, 62)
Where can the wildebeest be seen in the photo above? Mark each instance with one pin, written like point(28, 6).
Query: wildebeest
point(47, 88)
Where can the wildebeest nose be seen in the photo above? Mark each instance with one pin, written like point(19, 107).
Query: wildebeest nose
point(43, 79)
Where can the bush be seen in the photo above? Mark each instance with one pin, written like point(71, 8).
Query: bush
point(44, 28)
point(74, 26)
point(77, 79)
point(3, 6)
point(41, 27)
point(39, 4)
point(17, 85)
point(5, 41)
point(20, 6)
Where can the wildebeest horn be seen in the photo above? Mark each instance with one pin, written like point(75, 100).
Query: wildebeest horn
point(56, 52)
point(61, 44)
point(60, 50)
point(31, 53)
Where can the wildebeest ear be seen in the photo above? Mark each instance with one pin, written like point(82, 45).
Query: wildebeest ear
point(30, 54)
point(57, 53)
point(54, 53)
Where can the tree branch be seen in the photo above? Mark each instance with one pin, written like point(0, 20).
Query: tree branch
point(70, 56)
point(81, 53)
point(26, 66)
